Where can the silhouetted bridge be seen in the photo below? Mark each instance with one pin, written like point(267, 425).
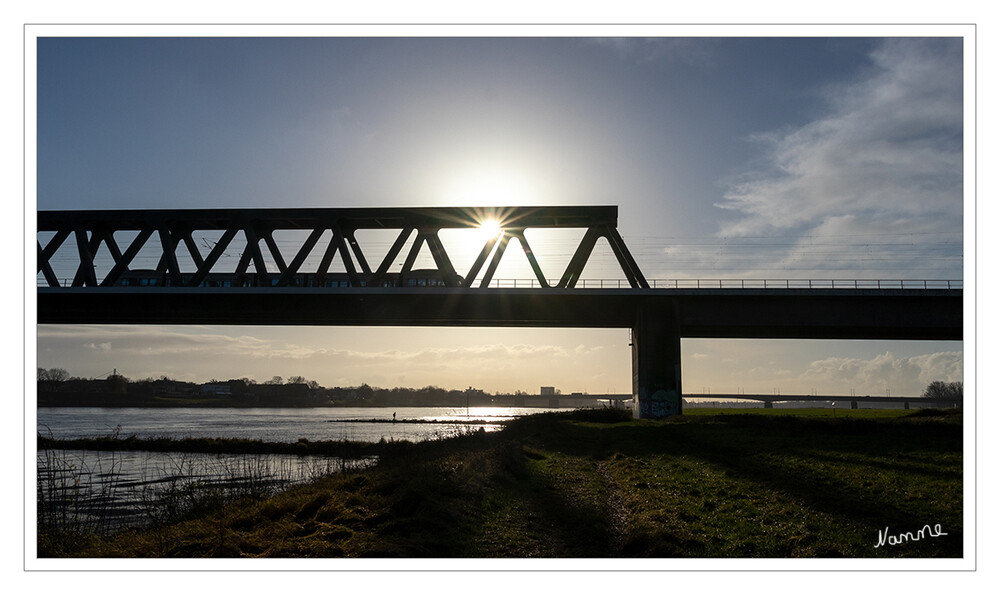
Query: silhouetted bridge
point(212, 289)
point(852, 401)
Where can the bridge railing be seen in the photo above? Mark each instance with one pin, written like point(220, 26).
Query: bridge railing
point(806, 283)
point(704, 283)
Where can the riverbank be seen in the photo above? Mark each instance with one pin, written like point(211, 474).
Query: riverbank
point(337, 448)
point(598, 484)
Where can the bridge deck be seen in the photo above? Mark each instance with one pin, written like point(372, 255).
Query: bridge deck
point(705, 313)
point(309, 218)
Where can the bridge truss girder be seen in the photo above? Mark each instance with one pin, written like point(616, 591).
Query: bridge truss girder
point(175, 227)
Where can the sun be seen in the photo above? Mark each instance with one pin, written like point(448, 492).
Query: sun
point(489, 228)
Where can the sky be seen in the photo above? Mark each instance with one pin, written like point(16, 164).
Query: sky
point(728, 158)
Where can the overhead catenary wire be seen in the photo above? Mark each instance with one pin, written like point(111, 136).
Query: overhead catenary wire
point(675, 256)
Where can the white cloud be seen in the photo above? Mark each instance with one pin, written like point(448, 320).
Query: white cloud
point(886, 372)
point(886, 159)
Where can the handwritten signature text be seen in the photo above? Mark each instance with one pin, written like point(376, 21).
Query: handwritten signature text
point(884, 538)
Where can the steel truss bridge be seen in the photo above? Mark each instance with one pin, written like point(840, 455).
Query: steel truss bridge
point(174, 227)
point(290, 294)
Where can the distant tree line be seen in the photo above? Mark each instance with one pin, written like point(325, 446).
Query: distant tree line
point(56, 387)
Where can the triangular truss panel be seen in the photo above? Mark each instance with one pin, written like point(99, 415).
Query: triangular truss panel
point(601, 270)
point(375, 244)
point(554, 248)
point(463, 246)
point(505, 269)
point(224, 255)
point(57, 259)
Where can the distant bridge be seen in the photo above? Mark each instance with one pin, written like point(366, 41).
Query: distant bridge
point(289, 293)
point(854, 400)
point(619, 400)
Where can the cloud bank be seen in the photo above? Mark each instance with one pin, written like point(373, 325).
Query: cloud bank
point(199, 354)
point(884, 161)
point(886, 372)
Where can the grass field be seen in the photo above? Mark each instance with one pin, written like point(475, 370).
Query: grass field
point(712, 483)
point(816, 412)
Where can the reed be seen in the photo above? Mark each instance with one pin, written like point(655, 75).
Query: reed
point(85, 495)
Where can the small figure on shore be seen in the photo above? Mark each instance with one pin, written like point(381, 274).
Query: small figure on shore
point(393, 417)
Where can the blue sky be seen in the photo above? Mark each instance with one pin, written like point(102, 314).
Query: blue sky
point(730, 157)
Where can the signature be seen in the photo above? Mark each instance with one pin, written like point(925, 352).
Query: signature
point(884, 538)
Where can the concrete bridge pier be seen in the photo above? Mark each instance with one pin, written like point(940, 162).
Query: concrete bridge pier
point(656, 361)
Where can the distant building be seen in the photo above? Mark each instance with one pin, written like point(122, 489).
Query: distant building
point(173, 388)
point(547, 391)
point(216, 389)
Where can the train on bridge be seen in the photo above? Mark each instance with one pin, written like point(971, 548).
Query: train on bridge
point(153, 278)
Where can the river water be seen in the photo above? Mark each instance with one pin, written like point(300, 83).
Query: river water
point(107, 491)
point(362, 424)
